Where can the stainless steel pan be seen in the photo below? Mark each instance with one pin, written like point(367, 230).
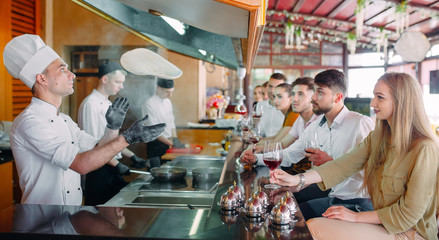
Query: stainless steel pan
point(206, 174)
point(168, 173)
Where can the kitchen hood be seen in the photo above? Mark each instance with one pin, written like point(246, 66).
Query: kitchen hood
point(223, 32)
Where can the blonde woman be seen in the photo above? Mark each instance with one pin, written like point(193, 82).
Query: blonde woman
point(400, 159)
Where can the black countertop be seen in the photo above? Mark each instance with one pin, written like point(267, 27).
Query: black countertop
point(86, 222)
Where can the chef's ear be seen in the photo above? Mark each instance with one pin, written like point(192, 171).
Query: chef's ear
point(41, 79)
point(104, 79)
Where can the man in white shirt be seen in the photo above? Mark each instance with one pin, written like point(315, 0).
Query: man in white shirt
point(272, 119)
point(50, 151)
point(159, 109)
point(105, 182)
point(338, 131)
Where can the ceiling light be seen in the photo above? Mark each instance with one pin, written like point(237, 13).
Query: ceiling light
point(202, 52)
point(175, 24)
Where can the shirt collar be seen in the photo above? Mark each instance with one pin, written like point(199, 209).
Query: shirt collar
point(99, 95)
point(338, 119)
point(45, 108)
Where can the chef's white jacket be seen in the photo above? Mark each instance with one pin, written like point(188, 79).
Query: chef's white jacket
point(271, 120)
point(91, 115)
point(159, 110)
point(44, 143)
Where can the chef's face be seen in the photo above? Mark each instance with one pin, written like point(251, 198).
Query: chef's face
point(301, 98)
point(164, 92)
point(114, 83)
point(59, 78)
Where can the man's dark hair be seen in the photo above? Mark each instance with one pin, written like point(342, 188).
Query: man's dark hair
point(278, 76)
point(333, 79)
point(309, 82)
point(265, 84)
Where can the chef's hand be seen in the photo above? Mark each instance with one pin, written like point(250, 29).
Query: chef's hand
point(116, 113)
point(140, 133)
point(122, 169)
point(137, 162)
point(176, 143)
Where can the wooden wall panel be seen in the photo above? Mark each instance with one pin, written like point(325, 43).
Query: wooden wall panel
point(5, 78)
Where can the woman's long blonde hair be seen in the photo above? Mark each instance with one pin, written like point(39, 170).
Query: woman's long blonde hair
point(409, 124)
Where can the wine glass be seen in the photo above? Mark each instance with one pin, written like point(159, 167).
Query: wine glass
point(311, 141)
point(257, 113)
point(246, 125)
point(255, 136)
point(272, 158)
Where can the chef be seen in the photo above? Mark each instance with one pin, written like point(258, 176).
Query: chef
point(102, 184)
point(159, 109)
point(49, 149)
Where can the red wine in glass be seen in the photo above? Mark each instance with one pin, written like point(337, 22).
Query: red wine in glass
point(272, 163)
point(255, 140)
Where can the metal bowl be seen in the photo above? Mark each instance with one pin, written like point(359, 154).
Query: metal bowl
point(238, 190)
point(263, 197)
point(229, 201)
point(253, 207)
point(280, 214)
point(291, 204)
point(168, 173)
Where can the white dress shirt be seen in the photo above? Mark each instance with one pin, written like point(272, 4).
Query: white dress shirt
point(159, 110)
point(271, 120)
point(91, 115)
point(299, 126)
point(44, 144)
point(347, 131)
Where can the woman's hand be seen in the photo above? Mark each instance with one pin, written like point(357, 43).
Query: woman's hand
point(283, 178)
point(341, 213)
point(317, 156)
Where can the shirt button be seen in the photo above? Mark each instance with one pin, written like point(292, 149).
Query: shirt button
point(73, 142)
point(79, 189)
point(51, 120)
point(65, 120)
point(68, 191)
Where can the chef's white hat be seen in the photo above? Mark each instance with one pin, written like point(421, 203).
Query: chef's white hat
point(26, 56)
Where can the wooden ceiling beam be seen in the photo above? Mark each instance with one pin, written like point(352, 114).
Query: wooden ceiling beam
point(298, 5)
point(339, 8)
point(325, 19)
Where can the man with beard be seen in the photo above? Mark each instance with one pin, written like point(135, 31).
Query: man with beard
point(336, 132)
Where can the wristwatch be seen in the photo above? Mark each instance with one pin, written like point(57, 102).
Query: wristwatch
point(301, 181)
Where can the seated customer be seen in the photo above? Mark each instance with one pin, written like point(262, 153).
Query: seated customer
point(400, 163)
point(339, 131)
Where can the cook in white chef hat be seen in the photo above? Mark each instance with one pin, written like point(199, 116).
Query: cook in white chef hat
point(26, 56)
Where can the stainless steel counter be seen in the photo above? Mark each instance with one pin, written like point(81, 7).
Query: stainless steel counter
point(130, 220)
